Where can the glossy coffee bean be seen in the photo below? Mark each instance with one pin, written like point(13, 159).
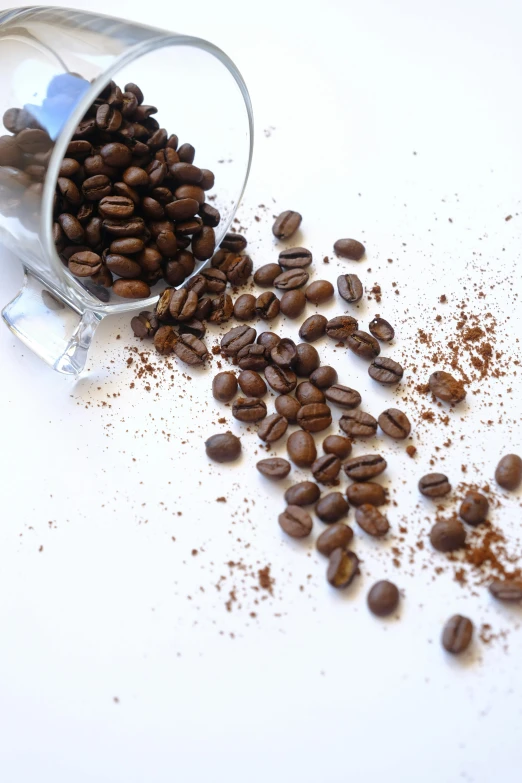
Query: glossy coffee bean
point(508, 473)
point(343, 396)
point(474, 508)
point(307, 393)
point(222, 309)
point(381, 329)
point(457, 634)
point(144, 325)
point(434, 485)
point(383, 598)
point(264, 276)
point(235, 243)
point(248, 409)
point(284, 353)
point(122, 266)
point(291, 279)
point(313, 328)
point(251, 383)
point(280, 379)
point(84, 264)
point(183, 304)
point(343, 567)
point(394, 423)
point(365, 467)
point(293, 303)
point(366, 492)
point(252, 357)
point(296, 522)
point(306, 361)
point(245, 307)
point(363, 344)
point(358, 424)
point(190, 350)
point(301, 449)
point(324, 377)
point(224, 447)
point(131, 289)
point(268, 340)
point(286, 224)
point(336, 444)
point(295, 258)
point(224, 386)
point(216, 280)
point(448, 535)
point(315, 417)
point(325, 469)
point(385, 370)
point(204, 243)
point(303, 494)
point(288, 407)
point(350, 288)
point(371, 520)
point(446, 388)
point(237, 338)
point(341, 327)
point(509, 590)
point(272, 428)
point(337, 536)
point(332, 507)
point(274, 468)
point(239, 269)
point(319, 291)
point(267, 306)
point(349, 248)
point(182, 209)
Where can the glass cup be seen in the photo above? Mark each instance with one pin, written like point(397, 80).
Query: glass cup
point(55, 63)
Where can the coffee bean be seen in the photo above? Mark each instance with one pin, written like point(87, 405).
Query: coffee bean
point(71, 227)
point(286, 224)
point(186, 173)
point(222, 309)
point(69, 167)
point(182, 209)
point(383, 598)
point(343, 566)
point(235, 243)
point(303, 494)
point(224, 386)
point(474, 508)
point(341, 327)
point(252, 357)
point(79, 149)
point(337, 536)
point(203, 243)
point(349, 248)
point(272, 428)
point(301, 449)
point(288, 407)
point(281, 379)
point(33, 140)
point(115, 154)
point(116, 207)
point(186, 153)
point(457, 633)
point(506, 590)
point(343, 396)
point(265, 275)
point(209, 215)
point(306, 361)
point(237, 338)
point(368, 492)
point(446, 388)
point(144, 325)
point(336, 444)
point(165, 339)
point(332, 507)
point(447, 535)
point(216, 280)
point(395, 423)
point(324, 377)
point(204, 308)
point(122, 266)
point(371, 520)
point(364, 467)
point(307, 393)
point(381, 329)
point(248, 409)
point(274, 468)
point(183, 304)
point(239, 269)
point(136, 177)
point(131, 289)
point(319, 291)
point(69, 191)
point(291, 279)
point(224, 447)
point(130, 245)
point(207, 180)
point(268, 340)
point(313, 328)
point(295, 258)
point(198, 284)
point(296, 522)
point(293, 303)
point(508, 473)
point(84, 264)
point(434, 485)
point(314, 417)
point(385, 370)
point(350, 288)
point(190, 350)
point(150, 207)
point(283, 353)
point(363, 344)
point(251, 383)
point(188, 191)
point(193, 326)
point(358, 424)
point(326, 468)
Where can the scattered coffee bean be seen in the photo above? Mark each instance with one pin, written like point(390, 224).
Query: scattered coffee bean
point(245, 307)
point(336, 444)
point(448, 535)
point(288, 407)
point(251, 383)
point(221, 309)
point(248, 409)
point(192, 326)
point(235, 243)
point(325, 469)
point(365, 467)
point(307, 393)
point(474, 508)
point(284, 353)
point(446, 388)
point(252, 357)
point(343, 396)
point(131, 289)
point(363, 344)
point(332, 507)
point(306, 361)
point(239, 269)
point(268, 340)
point(324, 377)
point(395, 423)
point(296, 522)
point(371, 520)
point(315, 417)
point(508, 473)
point(272, 428)
point(265, 275)
point(280, 379)
point(190, 349)
point(303, 494)
point(313, 328)
point(237, 338)
point(183, 304)
point(286, 224)
point(385, 370)
point(216, 280)
point(366, 492)
point(291, 279)
point(457, 633)
point(293, 303)
point(267, 306)
point(343, 566)
point(337, 536)
point(274, 468)
point(358, 424)
point(319, 291)
point(341, 327)
point(381, 329)
point(350, 288)
point(165, 339)
point(295, 258)
point(301, 449)
point(224, 386)
point(383, 598)
point(349, 248)
point(144, 325)
point(506, 590)
point(434, 485)
point(224, 447)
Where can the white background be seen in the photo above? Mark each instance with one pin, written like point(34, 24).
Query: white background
point(313, 688)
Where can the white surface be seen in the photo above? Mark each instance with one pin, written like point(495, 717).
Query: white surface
point(313, 688)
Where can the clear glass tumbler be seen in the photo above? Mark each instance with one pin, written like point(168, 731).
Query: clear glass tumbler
point(55, 62)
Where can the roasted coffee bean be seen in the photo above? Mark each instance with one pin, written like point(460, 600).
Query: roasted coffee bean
point(385, 370)
point(224, 386)
point(337, 536)
point(204, 243)
point(301, 449)
point(244, 307)
point(33, 140)
point(350, 288)
point(336, 444)
point(190, 349)
point(224, 447)
point(293, 303)
point(149, 259)
point(506, 590)
point(186, 173)
point(457, 633)
point(349, 248)
point(69, 191)
point(446, 388)
point(371, 520)
point(284, 353)
point(69, 167)
point(306, 361)
point(365, 467)
point(157, 171)
point(188, 191)
point(332, 507)
point(134, 90)
point(235, 243)
point(358, 424)
point(167, 243)
point(383, 598)
point(182, 209)
point(222, 309)
point(116, 154)
point(448, 535)
point(84, 264)
point(122, 266)
point(343, 396)
point(183, 304)
point(381, 329)
point(295, 258)
point(165, 339)
point(281, 379)
point(116, 207)
point(251, 383)
point(292, 278)
point(174, 273)
point(265, 275)
point(303, 494)
point(121, 189)
point(209, 215)
point(307, 393)
point(272, 428)
point(237, 338)
point(395, 423)
point(207, 180)
point(84, 213)
point(204, 308)
point(319, 291)
point(239, 269)
point(313, 328)
point(193, 326)
point(136, 177)
point(474, 508)
point(434, 485)
point(296, 522)
point(363, 344)
point(152, 208)
point(216, 280)
point(187, 153)
point(163, 305)
point(248, 409)
point(341, 327)
point(286, 224)
point(252, 357)
point(367, 492)
point(274, 467)
point(268, 340)
point(71, 227)
point(127, 246)
point(94, 165)
point(508, 473)
point(288, 407)
point(315, 417)
point(222, 260)
point(326, 468)
point(197, 283)
point(79, 149)
point(343, 566)
point(324, 377)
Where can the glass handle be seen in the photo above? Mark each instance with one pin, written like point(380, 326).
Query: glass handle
point(48, 325)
